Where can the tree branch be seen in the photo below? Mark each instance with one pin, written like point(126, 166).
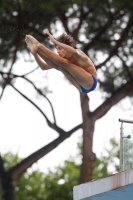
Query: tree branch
point(3, 89)
point(50, 124)
point(129, 73)
point(63, 19)
point(83, 16)
point(113, 52)
point(98, 36)
point(118, 95)
point(30, 72)
point(38, 90)
point(16, 171)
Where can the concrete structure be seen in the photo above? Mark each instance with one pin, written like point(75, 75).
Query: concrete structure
point(117, 187)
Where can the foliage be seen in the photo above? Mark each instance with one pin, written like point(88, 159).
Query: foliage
point(107, 163)
point(10, 160)
point(58, 184)
point(36, 185)
point(61, 181)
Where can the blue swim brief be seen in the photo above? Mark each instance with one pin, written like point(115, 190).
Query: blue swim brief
point(93, 86)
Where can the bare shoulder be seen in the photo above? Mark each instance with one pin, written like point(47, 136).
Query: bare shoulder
point(80, 54)
point(85, 62)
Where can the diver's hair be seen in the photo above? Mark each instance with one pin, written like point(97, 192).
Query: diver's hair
point(66, 39)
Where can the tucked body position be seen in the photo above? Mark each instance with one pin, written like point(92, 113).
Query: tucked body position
point(72, 62)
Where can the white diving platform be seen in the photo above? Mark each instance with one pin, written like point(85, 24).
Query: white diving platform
point(115, 187)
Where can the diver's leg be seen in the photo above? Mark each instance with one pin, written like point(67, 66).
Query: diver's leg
point(80, 75)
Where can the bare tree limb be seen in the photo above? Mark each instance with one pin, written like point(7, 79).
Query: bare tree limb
point(3, 89)
point(30, 72)
point(50, 124)
point(38, 90)
point(16, 171)
point(118, 95)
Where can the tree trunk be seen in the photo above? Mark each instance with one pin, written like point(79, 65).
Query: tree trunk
point(88, 129)
point(6, 184)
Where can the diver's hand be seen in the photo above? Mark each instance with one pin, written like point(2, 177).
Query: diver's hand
point(50, 37)
point(32, 44)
